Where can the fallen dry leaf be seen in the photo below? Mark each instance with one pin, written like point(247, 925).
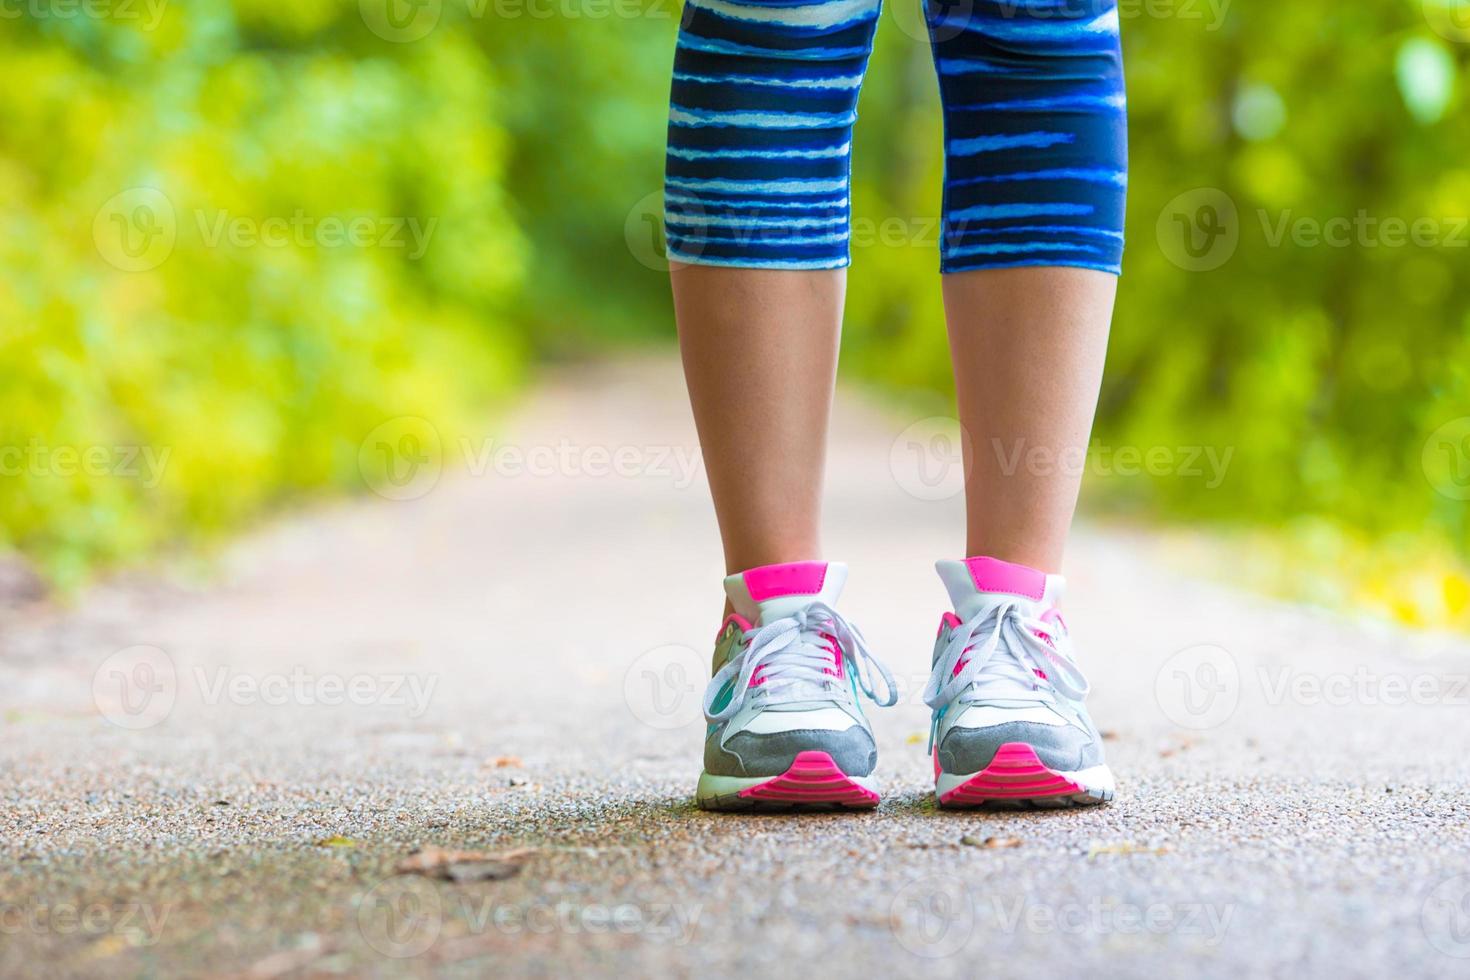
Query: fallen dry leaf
point(436, 862)
point(505, 762)
point(1098, 848)
point(991, 843)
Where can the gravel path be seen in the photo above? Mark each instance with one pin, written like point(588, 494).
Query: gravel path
point(226, 779)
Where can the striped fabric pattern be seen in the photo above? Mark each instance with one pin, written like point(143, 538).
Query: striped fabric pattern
point(764, 100)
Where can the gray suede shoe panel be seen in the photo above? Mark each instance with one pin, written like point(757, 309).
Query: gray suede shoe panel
point(1064, 747)
point(751, 755)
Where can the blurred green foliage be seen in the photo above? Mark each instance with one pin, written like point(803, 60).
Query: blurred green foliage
point(174, 274)
point(523, 139)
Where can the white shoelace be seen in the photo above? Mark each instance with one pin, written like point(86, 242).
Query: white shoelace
point(1006, 669)
point(798, 662)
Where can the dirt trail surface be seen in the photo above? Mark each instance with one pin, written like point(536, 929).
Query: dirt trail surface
point(507, 662)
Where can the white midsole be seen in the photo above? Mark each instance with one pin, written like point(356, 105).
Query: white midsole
point(1096, 779)
point(712, 786)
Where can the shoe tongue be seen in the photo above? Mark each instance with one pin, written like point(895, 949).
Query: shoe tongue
point(976, 584)
point(772, 592)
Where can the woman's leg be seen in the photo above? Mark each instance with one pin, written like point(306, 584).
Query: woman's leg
point(1036, 163)
point(1036, 166)
point(1028, 347)
point(760, 359)
point(756, 195)
point(761, 111)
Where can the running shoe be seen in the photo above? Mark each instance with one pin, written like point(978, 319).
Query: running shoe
point(786, 727)
point(1010, 728)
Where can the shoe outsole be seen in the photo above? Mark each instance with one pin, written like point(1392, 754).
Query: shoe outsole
point(1016, 779)
point(812, 783)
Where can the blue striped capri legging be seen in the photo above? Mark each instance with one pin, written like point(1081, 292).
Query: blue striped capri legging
point(765, 95)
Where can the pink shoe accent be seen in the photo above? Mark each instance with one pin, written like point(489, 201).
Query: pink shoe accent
point(738, 621)
point(948, 619)
point(1014, 774)
point(838, 668)
point(794, 578)
point(994, 575)
point(813, 778)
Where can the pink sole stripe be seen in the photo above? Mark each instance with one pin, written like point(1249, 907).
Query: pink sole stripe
point(813, 778)
point(1014, 774)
